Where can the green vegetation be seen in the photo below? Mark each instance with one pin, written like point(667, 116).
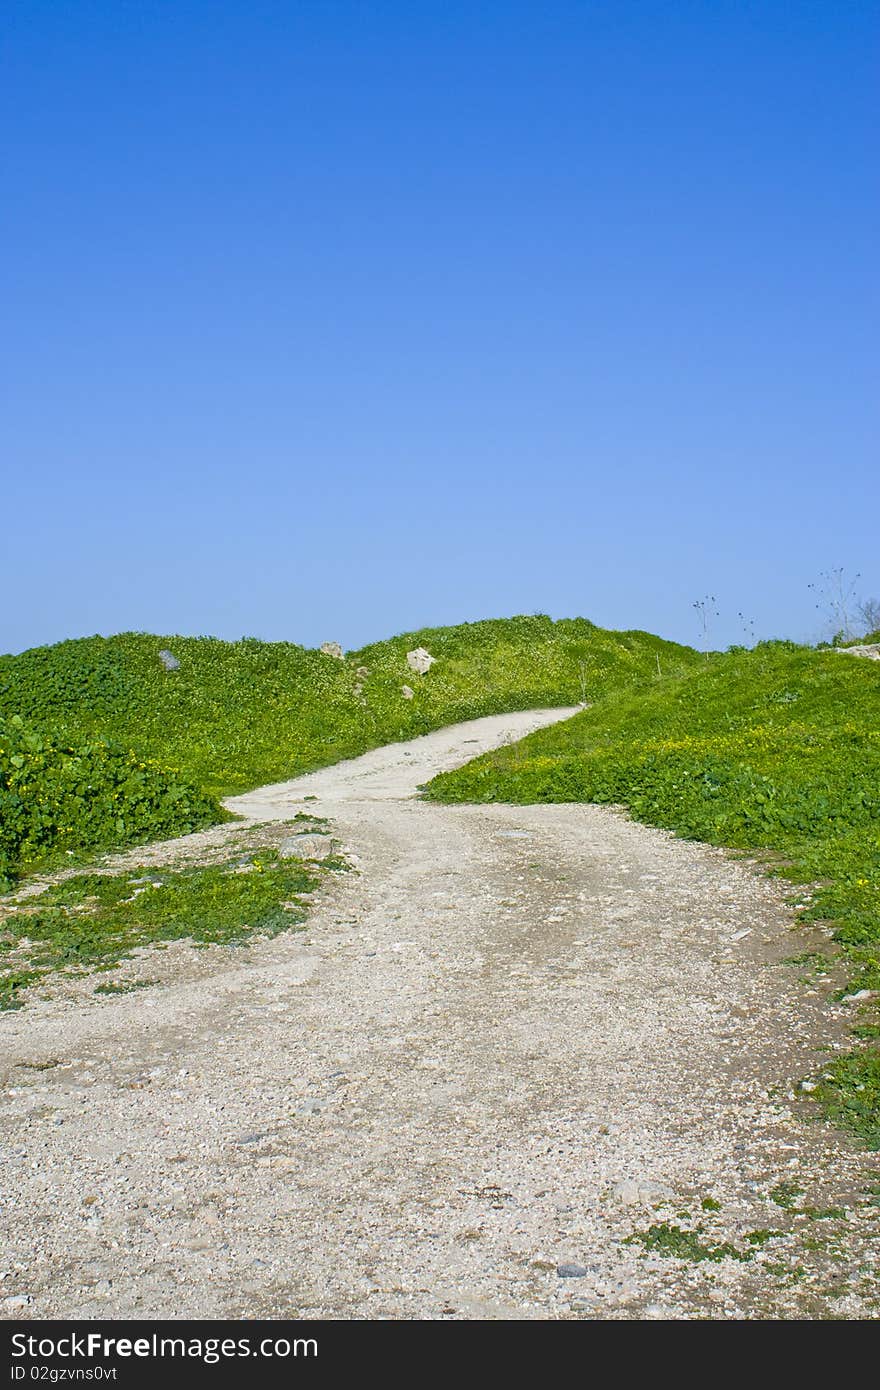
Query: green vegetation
point(95, 920)
point(237, 714)
point(114, 749)
point(59, 794)
point(123, 986)
point(851, 1093)
point(667, 1239)
point(760, 1237)
point(776, 749)
point(785, 1195)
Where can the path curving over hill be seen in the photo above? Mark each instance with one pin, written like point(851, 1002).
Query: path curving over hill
point(513, 1038)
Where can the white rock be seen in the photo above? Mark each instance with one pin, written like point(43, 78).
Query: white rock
point(420, 661)
point(332, 649)
point(871, 650)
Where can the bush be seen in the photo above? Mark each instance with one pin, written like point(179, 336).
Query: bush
point(59, 794)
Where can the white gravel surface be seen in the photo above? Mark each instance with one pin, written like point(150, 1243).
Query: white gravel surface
point(507, 1040)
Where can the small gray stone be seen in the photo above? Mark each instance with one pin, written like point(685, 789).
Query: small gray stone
point(406, 692)
point(307, 847)
point(332, 649)
point(571, 1271)
point(169, 661)
point(310, 1106)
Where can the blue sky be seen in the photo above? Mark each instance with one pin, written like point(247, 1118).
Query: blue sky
point(329, 320)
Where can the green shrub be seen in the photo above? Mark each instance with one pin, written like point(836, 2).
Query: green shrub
point(60, 794)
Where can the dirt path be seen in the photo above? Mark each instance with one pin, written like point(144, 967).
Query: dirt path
point(514, 1038)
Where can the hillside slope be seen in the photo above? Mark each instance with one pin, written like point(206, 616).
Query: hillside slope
point(101, 746)
point(237, 714)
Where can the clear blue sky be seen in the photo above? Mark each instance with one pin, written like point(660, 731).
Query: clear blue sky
point(329, 320)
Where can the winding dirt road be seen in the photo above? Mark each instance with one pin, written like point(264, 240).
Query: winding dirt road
point(511, 1040)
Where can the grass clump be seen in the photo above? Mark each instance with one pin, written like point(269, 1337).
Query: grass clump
point(851, 1093)
point(123, 986)
point(786, 1195)
point(760, 1237)
point(773, 749)
point(93, 921)
point(667, 1239)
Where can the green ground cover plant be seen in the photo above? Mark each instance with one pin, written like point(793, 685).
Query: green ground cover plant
point(94, 920)
point(60, 794)
point(667, 1239)
point(772, 749)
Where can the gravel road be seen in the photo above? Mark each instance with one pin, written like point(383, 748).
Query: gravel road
point(510, 1039)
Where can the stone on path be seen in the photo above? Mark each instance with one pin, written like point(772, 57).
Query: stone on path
point(308, 847)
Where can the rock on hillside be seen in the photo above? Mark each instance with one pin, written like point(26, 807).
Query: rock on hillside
point(871, 650)
point(420, 661)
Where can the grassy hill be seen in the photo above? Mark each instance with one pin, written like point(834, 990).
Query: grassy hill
point(101, 724)
point(774, 749)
